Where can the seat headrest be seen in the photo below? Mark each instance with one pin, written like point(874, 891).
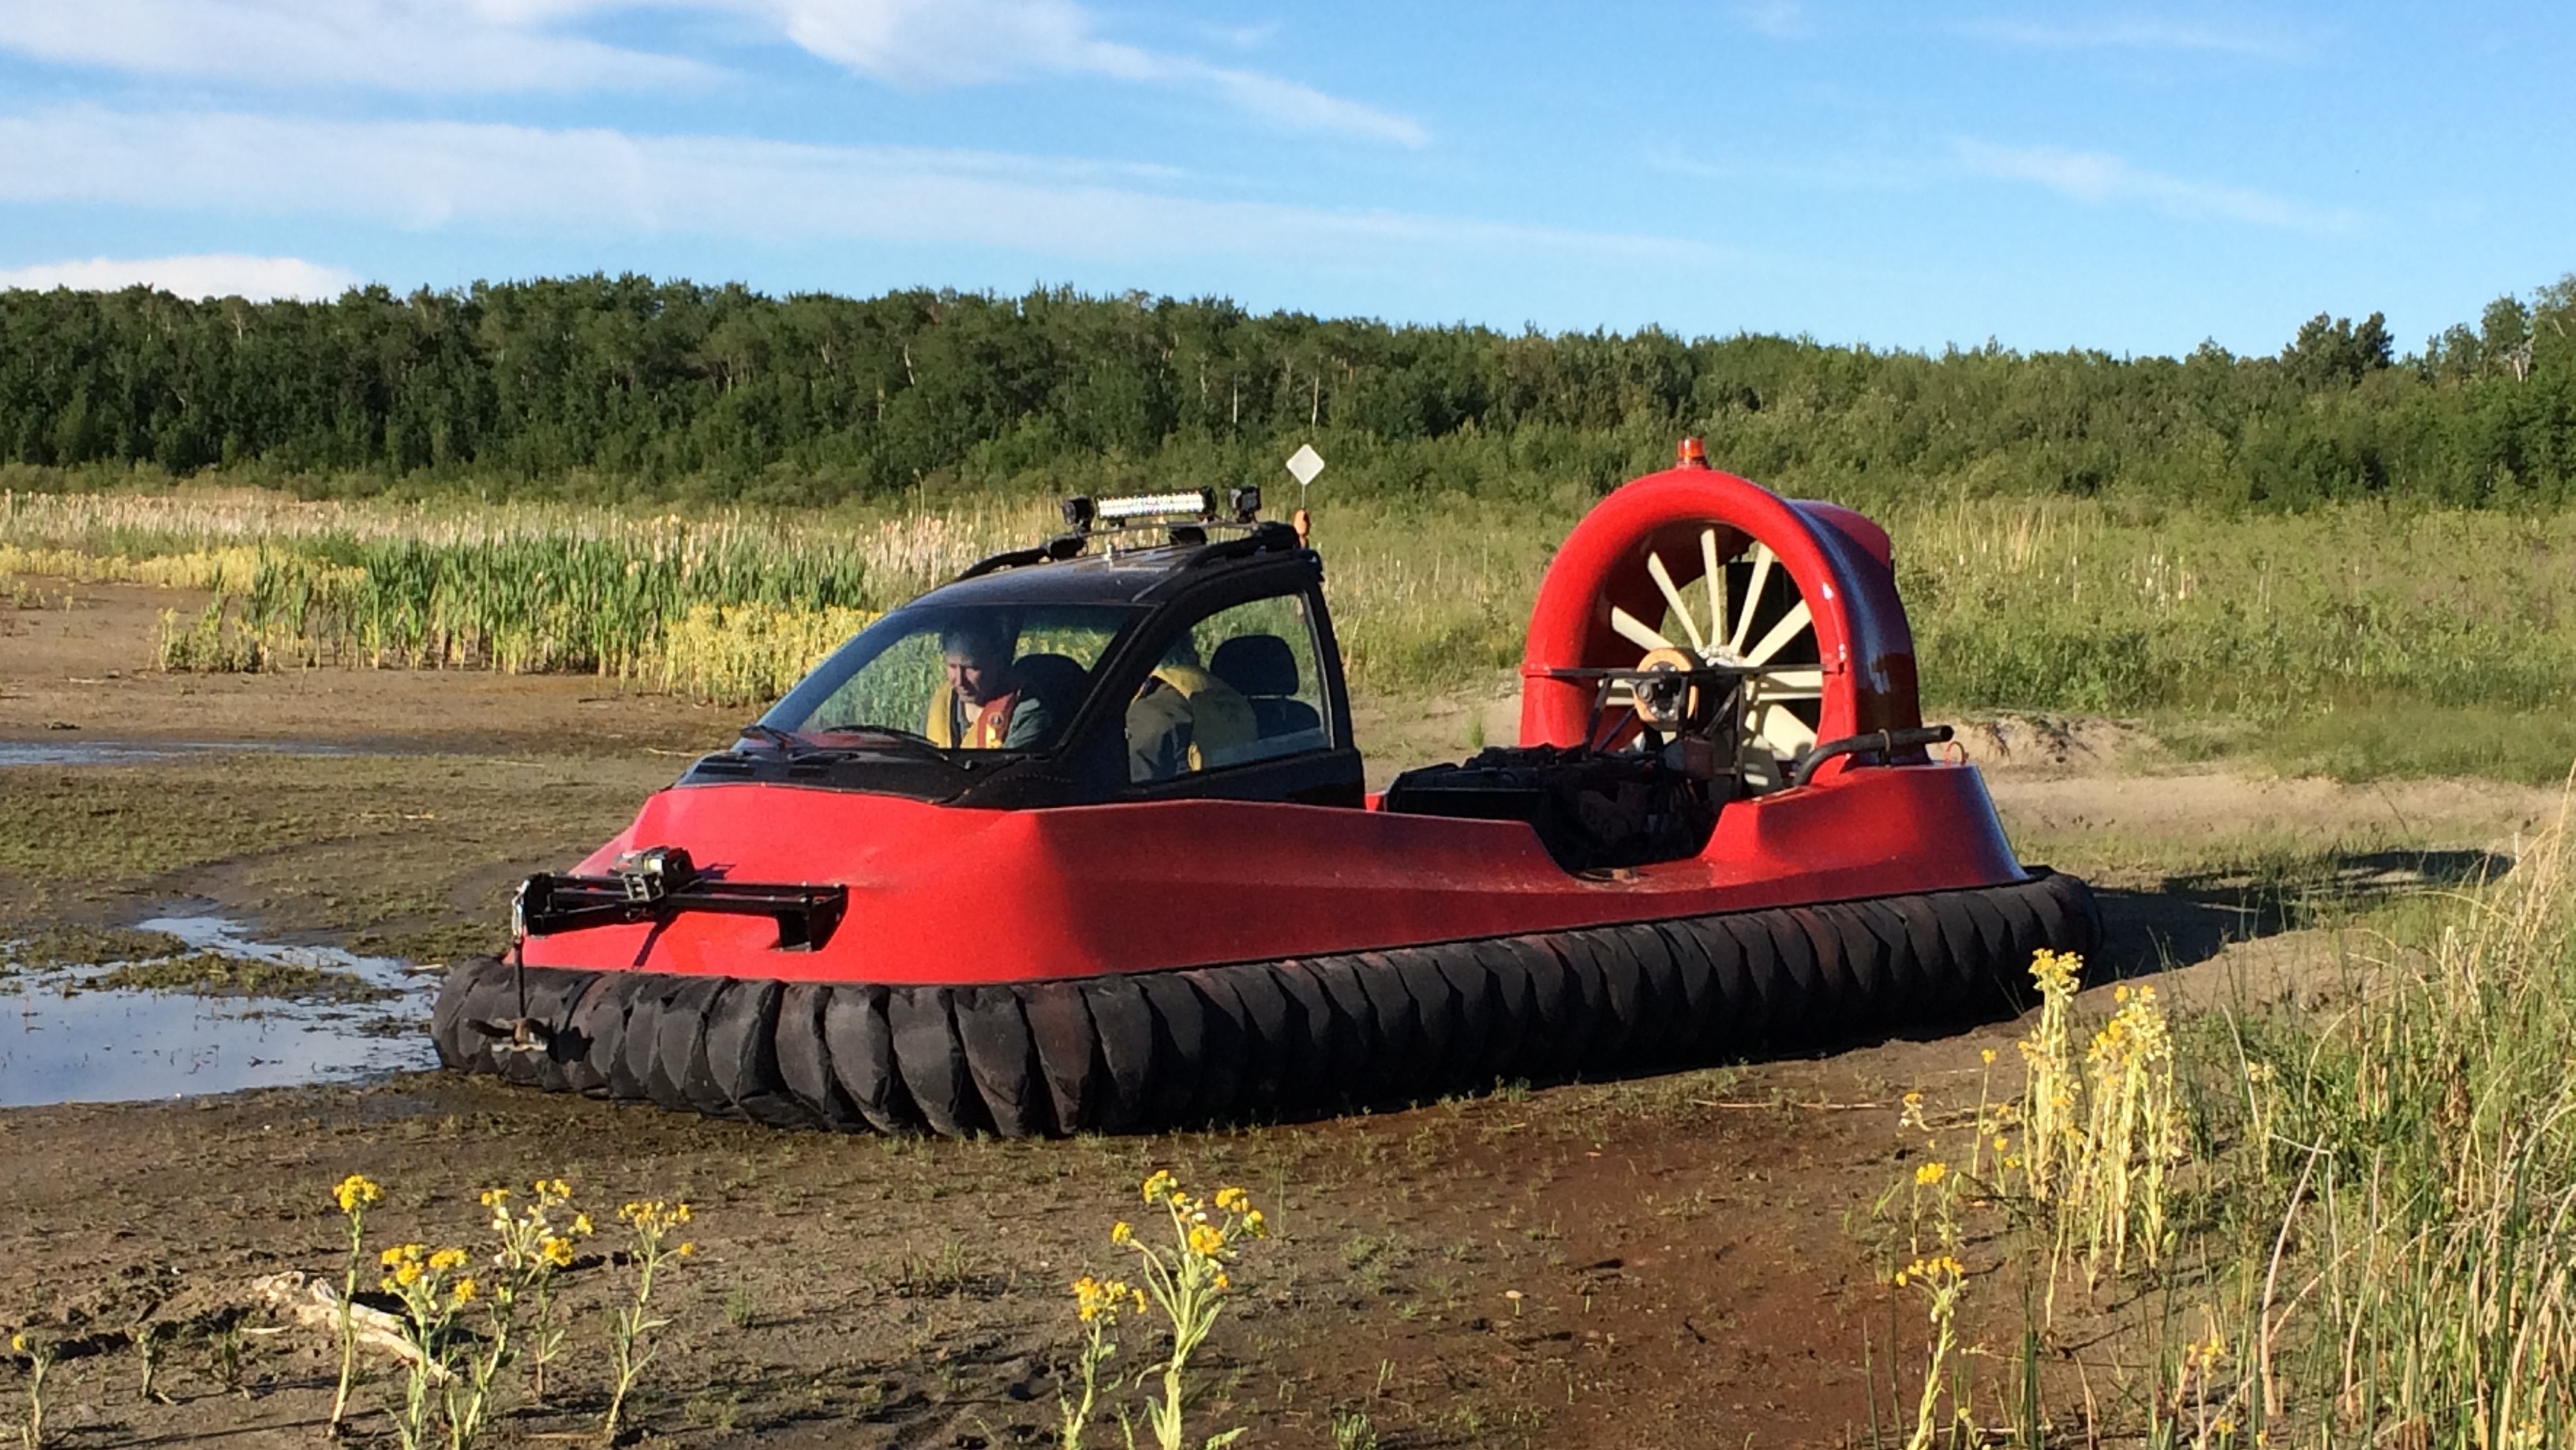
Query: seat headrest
point(1056, 679)
point(1256, 664)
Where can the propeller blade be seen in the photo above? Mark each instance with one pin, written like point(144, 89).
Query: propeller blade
point(1778, 639)
point(1636, 631)
point(1716, 577)
point(1794, 683)
point(1782, 732)
point(1673, 597)
point(1761, 556)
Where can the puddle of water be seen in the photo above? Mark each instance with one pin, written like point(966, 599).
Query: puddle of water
point(218, 934)
point(135, 752)
point(125, 1046)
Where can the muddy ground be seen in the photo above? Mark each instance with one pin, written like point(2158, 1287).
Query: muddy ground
point(1677, 1261)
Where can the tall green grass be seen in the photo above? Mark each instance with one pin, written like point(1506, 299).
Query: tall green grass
point(2386, 1223)
point(2354, 638)
point(2345, 1184)
point(2350, 1225)
point(2085, 606)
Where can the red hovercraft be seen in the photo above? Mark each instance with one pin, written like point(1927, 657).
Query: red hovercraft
point(1148, 886)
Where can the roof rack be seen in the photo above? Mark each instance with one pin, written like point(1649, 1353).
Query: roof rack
point(1186, 516)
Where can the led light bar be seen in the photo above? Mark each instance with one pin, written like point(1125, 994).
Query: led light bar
point(1194, 502)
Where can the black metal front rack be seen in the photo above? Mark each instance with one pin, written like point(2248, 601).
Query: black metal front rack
point(1693, 702)
point(660, 882)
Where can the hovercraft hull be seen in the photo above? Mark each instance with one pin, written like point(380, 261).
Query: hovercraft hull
point(1286, 1036)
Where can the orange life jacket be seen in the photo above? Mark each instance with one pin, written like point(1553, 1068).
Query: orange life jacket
point(987, 730)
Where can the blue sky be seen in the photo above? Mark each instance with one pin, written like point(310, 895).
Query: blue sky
point(2129, 178)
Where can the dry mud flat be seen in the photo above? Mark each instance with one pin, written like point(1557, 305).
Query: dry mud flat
point(1668, 1261)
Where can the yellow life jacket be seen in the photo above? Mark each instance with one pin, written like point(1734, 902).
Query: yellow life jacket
point(1222, 727)
point(941, 724)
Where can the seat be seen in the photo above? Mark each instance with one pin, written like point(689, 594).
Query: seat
point(1057, 682)
point(1263, 670)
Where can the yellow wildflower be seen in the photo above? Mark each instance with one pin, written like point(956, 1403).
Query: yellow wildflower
point(356, 1192)
point(557, 1252)
point(1122, 1233)
point(581, 1224)
point(1205, 1240)
point(495, 1197)
point(1931, 1173)
point(1255, 1225)
point(465, 1290)
point(686, 1249)
point(2055, 972)
point(1162, 1185)
point(446, 1259)
point(1096, 1298)
point(1933, 1269)
point(1989, 1055)
point(1233, 1200)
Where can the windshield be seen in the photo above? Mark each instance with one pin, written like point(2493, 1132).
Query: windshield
point(960, 677)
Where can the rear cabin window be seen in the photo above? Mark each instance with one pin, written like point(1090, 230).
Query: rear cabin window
point(1242, 684)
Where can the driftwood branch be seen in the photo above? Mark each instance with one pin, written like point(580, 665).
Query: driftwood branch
point(314, 1303)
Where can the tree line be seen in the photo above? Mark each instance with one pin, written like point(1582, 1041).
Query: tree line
point(625, 386)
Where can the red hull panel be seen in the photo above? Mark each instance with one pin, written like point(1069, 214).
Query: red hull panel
point(940, 895)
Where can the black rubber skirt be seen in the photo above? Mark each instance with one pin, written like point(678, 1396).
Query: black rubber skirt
point(1290, 1038)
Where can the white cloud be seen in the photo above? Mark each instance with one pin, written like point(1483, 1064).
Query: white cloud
point(952, 42)
point(490, 46)
point(1239, 37)
point(1296, 107)
point(2102, 180)
point(217, 274)
point(2143, 33)
point(1779, 19)
point(961, 42)
point(609, 184)
point(418, 46)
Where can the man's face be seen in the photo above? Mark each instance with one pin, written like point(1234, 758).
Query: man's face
point(976, 672)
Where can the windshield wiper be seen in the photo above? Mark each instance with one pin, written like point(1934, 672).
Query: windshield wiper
point(771, 735)
point(797, 747)
point(912, 742)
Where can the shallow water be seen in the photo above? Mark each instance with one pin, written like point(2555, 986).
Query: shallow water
point(127, 1046)
point(136, 752)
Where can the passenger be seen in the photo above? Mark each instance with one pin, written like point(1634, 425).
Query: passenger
point(1185, 719)
point(981, 705)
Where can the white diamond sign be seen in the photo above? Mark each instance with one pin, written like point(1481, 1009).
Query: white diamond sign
point(1304, 464)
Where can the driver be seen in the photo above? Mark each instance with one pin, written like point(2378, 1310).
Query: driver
point(981, 706)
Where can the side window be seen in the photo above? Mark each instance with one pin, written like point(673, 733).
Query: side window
point(1236, 686)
